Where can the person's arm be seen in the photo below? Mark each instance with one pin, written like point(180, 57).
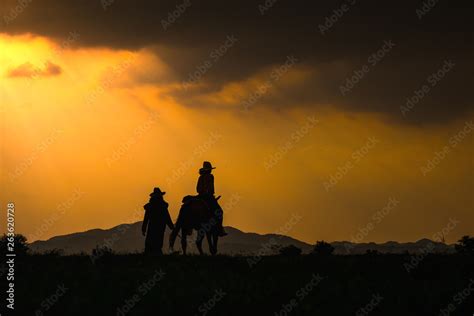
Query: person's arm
point(145, 221)
point(199, 185)
point(169, 222)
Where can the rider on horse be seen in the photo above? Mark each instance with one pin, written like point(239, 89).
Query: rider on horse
point(205, 189)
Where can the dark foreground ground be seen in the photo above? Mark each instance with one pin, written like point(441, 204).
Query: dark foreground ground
point(193, 285)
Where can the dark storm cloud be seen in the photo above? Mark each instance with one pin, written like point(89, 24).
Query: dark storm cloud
point(323, 35)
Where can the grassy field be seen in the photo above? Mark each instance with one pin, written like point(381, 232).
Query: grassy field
point(221, 285)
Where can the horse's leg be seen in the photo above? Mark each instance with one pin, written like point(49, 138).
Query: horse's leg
point(199, 238)
point(184, 242)
point(215, 239)
point(209, 241)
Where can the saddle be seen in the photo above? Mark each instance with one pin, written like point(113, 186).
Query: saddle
point(189, 198)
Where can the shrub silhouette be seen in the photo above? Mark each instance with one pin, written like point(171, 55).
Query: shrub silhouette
point(323, 248)
point(54, 252)
point(465, 245)
point(20, 246)
point(290, 251)
point(102, 251)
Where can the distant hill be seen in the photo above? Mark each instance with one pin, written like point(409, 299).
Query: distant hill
point(127, 238)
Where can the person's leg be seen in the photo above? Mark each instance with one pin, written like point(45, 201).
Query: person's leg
point(215, 212)
point(159, 243)
point(147, 246)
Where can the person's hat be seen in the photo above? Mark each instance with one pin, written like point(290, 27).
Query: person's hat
point(157, 191)
point(206, 166)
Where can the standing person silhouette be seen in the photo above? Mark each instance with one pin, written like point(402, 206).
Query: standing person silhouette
point(205, 189)
point(154, 222)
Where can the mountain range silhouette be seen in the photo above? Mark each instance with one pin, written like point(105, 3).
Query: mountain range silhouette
point(127, 238)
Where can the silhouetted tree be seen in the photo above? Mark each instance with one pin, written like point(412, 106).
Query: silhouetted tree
point(465, 245)
point(290, 251)
point(20, 246)
point(323, 248)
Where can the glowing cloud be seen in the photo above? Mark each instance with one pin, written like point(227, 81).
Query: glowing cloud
point(28, 70)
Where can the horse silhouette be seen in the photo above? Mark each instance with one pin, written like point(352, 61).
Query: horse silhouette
point(195, 214)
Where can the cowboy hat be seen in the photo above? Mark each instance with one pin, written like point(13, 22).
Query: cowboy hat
point(157, 191)
point(206, 166)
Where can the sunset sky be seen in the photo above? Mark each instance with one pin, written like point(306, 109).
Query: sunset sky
point(364, 131)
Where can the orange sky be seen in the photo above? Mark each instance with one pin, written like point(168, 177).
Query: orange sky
point(85, 138)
